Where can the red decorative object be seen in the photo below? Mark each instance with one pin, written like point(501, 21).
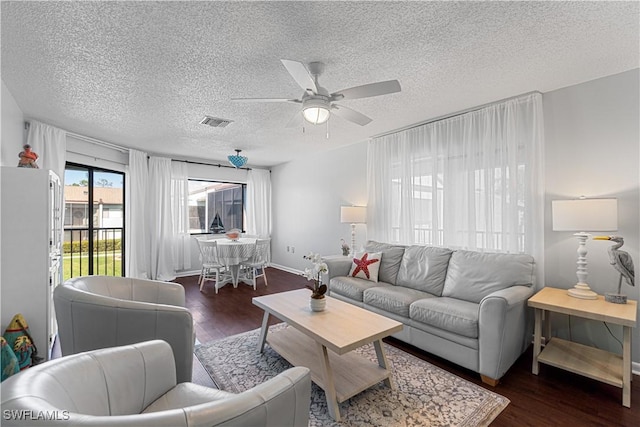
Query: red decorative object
point(363, 265)
point(27, 158)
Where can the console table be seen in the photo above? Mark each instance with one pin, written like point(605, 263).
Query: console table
point(591, 362)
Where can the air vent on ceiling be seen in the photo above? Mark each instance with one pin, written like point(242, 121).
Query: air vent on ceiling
point(215, 122)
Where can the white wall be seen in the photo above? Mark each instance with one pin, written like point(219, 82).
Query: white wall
point(307, 195)
point(12, 125)
point(592, 149)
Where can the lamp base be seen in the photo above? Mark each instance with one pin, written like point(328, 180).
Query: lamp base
point(582, 291)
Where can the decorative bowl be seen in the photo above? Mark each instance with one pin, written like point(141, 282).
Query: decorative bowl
point(233, 234)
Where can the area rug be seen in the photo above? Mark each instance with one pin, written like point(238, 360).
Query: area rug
point(425, 395)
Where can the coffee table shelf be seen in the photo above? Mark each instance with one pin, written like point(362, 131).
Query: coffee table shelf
point(324, 342)
point(352, 373)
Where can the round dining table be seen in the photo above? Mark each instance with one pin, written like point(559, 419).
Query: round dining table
point(231, 253)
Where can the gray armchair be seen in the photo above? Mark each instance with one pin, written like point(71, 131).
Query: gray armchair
point(102, 311)
point(135, 385)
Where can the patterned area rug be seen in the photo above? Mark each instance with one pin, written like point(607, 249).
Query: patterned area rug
point(425, 395)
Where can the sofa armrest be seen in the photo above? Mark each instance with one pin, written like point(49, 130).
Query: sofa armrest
point(281, 401)
point(503, 329)
point(338, 266)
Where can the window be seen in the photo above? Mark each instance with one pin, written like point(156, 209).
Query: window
point(93, 222)
point(471, 181)
point(215, 206)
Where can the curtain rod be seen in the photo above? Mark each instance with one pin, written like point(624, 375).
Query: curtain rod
point(452, 115)
point(126, 150)
point(91, 140)
point(209, 164)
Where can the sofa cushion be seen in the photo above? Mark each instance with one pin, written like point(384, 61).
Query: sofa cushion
point(391, 258)
point(352, 287)
point(366, 265)
point(424, 268)
point(449, 314)
point(472, 276)
point(393, 299)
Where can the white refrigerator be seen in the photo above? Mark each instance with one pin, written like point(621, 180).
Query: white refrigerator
point(30, 254)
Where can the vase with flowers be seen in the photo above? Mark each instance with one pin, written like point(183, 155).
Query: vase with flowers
point(317, 302)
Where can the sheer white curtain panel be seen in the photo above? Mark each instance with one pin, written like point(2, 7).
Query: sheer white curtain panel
point(258, 203)
point(180, 215)
point(136, 240)
point(50, 144)
point(473, 181)
point(159, 220)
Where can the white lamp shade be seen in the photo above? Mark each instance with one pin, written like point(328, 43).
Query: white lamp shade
point(585, 215)
point(353, 214)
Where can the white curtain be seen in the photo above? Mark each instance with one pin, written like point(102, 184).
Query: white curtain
point(258, 204)
point(180, 215)
point(159, 220)
point(472, 181)
point(137, 245)
point(50, 144)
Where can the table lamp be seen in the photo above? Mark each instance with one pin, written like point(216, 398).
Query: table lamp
point(583, 215)
point(353, 215)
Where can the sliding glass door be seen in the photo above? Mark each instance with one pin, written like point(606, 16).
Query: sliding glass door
point(93, 222)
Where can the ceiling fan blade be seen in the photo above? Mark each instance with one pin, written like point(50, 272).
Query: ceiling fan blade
point(296, 121)
point(300, 74)
point(349, 114)
point(297, 101)
point(368, 90)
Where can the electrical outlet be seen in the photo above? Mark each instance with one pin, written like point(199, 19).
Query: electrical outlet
point(288, 249)
point(293, 249)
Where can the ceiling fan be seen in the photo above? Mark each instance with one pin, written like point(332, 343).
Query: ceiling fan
point(317, 103)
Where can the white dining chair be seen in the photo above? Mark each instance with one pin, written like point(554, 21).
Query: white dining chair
point(212, 268)
point(255, 266)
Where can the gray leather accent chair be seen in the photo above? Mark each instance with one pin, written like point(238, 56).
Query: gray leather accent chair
point(135, 385)
point(103, 311)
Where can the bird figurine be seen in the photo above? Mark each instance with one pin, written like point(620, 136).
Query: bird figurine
point(621, 261)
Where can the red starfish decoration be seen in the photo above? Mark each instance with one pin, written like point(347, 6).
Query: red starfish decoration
point(363, 265)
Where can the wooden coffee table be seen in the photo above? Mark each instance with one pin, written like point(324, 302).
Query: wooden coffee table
point(341, 328)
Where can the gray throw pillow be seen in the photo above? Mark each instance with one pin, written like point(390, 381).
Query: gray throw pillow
point(424, 268)
point(390, 263)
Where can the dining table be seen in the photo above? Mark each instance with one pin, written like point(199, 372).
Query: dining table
point(231, 253)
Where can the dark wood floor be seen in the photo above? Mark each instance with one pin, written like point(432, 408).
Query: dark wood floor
point(553, 398)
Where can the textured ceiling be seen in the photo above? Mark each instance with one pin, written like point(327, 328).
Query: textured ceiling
point(143, 74)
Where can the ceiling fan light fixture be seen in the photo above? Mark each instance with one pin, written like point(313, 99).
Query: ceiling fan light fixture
point(237, 160)
point(315, 111)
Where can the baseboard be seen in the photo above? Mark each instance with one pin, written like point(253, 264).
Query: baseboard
point(287, 269)
point(187, 273)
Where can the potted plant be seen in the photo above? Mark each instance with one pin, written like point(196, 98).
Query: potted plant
point(317, 302)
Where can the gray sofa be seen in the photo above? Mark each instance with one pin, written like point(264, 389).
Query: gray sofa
point(464, 306)
point(135, 385)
